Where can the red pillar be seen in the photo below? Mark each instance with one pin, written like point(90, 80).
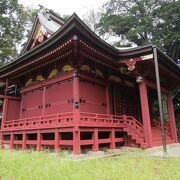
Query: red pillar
point(44, 100)
point(145, 112)
point(108, 100)
point(56, 143)
point(39, 138)
point(1, 140)
point(76, 142)
point(12, 141)
point(5, 106)
point(76, 113)
point(95, 138)
point(112, 136)
point(21, 106)
point(4, 112)
point(172, 118)
point(76, 97)
point(24, 141)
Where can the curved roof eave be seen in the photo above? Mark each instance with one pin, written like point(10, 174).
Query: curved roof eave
point(44, 45)
point(74, 22)
point(168, 62)
point(30, 35)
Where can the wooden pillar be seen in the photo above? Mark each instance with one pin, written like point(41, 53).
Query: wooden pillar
point(108, 110)
point(56, 143)
point(145, 112)
point(76, 97)
point(24, 147)
point(12, 141)
point(95, 138)
point(172, 118)
point(76, 142)
point(1, 140)
point(114, 100)
point(112, 136)
point(44, 100)
point(4, 112)
point(39, 138)
point(5, 106)
point(22, 97)
point(76, 113)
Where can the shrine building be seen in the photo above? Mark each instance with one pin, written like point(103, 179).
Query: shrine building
point(69, 89)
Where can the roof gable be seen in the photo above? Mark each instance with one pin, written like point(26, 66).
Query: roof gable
point(46, 23)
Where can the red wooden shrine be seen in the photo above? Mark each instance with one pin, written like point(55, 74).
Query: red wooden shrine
point(71, 90)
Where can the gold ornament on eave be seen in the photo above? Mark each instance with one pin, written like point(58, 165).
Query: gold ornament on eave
point(53, 73)
point(67, 68)
point(39, 78)
point(85, 68)
point(29, 81)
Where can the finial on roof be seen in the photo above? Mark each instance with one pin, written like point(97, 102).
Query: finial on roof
point(44, 11)
point(40, 6)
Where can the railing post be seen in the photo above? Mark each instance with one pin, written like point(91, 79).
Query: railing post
point(124, 119)
point(58, 117)
point(96, 119)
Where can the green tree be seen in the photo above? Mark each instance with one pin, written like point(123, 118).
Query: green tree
point(142, 22)
point(14, 21)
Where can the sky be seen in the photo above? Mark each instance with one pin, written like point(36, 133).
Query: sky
point(66, 7)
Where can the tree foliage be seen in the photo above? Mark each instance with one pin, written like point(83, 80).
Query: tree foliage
point(14, 22)
point(142, 22)
point(91, 19)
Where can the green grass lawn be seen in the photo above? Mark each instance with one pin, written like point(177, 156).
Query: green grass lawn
point(32, 165)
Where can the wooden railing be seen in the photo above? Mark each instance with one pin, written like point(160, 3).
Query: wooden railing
point(66, 120)
point(167, 127)
point(92, 119)
point(135, 125)
point(40, 122)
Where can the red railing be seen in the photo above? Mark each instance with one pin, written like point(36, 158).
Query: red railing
point(66, 120)
point(167, 127)
point(135, 125)
point(49, 121)
point(104, 120)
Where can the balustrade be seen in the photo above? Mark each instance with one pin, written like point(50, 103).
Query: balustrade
point(66, 120)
